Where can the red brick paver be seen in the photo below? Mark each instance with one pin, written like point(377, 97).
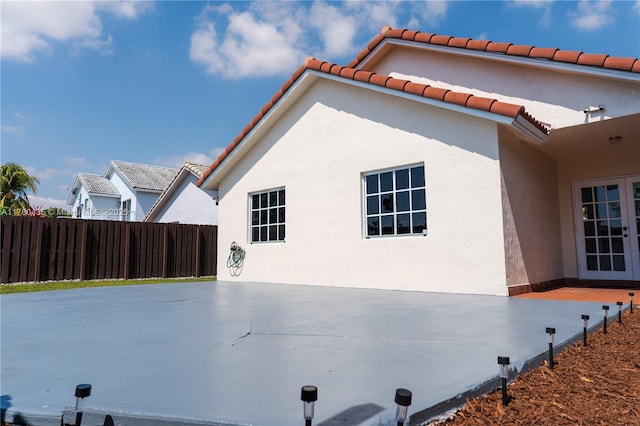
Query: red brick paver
point(585, 295)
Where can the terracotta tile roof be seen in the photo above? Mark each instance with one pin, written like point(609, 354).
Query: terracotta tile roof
point(423, 90)
point(550, 54)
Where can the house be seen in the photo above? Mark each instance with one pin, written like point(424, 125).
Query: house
point(442, 164)
point(126, 191)
point(184, 202)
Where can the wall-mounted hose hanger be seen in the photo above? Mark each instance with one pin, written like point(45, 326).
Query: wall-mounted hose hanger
point(235, 261)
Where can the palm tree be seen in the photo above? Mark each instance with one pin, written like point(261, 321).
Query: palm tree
point(15, 183)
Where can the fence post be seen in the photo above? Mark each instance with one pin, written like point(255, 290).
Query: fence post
point(165, 250)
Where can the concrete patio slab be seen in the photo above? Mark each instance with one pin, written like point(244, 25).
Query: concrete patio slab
point(238, 353)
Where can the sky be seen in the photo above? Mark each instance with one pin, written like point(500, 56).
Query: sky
point(164, 82)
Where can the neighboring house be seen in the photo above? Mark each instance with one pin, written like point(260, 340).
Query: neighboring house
point(126, 191)
point(435, 163)
point(184, 202)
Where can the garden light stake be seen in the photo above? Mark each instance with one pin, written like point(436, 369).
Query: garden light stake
point(551, 331)
point(585, 324)
point(403, 401)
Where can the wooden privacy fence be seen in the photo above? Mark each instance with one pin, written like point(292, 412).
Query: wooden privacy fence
point(42, 249)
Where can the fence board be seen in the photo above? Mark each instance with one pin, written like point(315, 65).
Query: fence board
point(35, 249)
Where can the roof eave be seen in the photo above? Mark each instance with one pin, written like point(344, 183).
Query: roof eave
point(566, 67)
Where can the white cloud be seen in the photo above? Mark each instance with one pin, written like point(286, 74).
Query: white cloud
point(337, 30)
point(30, 27)
point(192, 157)
point(43, 174)
point(14, 130)
point(78, 162)
point(257, 42)
point(591, 15)
point(545, 20)
point(47, 202)
point(636, 6)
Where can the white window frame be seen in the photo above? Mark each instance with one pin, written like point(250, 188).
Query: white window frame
point(265, 222)
point(412, 212)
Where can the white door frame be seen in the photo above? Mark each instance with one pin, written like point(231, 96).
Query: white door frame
point(625, 239)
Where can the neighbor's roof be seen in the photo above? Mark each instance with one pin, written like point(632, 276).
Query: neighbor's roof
point(195, 169)
point(95, 184)
point(506, 48)
point(426, 91)
point(143, 177)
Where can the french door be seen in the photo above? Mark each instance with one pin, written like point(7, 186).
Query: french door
point(607, 214)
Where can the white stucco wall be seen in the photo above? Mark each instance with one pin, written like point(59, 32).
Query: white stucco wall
point(318, 151)
point(533, 247)
point(554, 97)
point(98, 207)
point(141, 201)
point(189, 204)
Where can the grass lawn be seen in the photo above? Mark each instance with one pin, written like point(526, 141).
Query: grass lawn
point(65, 285)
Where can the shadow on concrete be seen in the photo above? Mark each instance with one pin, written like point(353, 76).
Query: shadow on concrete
point(354, 415)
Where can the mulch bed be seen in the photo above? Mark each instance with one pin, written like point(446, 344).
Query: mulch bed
point(594, 385)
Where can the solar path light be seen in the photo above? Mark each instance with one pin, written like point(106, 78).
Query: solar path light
point(551, 331)
point(631, 294)
point(619, 312)
point(403, 401)
point(83, 391)
point(309, 397)
point(605, 311)
point(585, 324)
point(504, 362)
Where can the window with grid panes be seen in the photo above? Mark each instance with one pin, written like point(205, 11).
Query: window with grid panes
point(395, 202)
point(267, 216)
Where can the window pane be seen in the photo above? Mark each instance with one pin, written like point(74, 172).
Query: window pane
point(387, 203)
point(590, 229)
point(618, 263)
point(600, 193)
point(281, 197)
point(273, 199)
point(587, 211)
point(614, 209)
point(601, 211)
point(402, 201)
point(255, 218)
point(587, 195)
point(387, 225)
point(273, 215)
point(419, 222)
point(603, 245)
point(263, 217)
point(255, 201)
point(612, 193)
point(418, 201)
point(273, 232)
point(263, 200)
point(403, 223)
point(263, 233)
point(616, 245)
point(590, 245)
point(373, 205)
point(386, 181)
point(592, 263)
point(616, 227)
point(605, 262)
point(417, 176)
point(255, 234)
point(281, 215)
point(371, 184)
point(603, 227)
point(281, 232)
point(373, 226)
point(402, 179)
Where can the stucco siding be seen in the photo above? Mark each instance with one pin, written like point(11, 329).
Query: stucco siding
point(558, 98)
point(318, 151)
point(189, 204)
point(533, 247)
